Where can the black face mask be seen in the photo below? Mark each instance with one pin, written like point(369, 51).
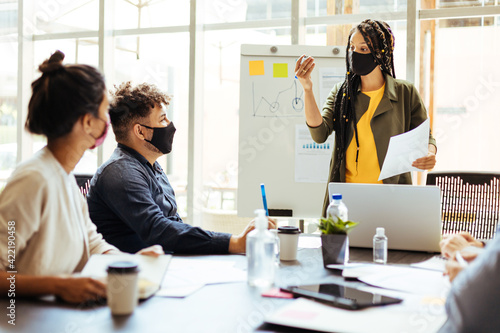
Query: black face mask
point(362, 63)
point(162, 137)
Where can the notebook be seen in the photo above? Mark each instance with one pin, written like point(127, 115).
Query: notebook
point(151, 270)
point(411, 215)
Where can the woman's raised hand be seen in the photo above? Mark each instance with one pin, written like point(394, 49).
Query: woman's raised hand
point(303, 69)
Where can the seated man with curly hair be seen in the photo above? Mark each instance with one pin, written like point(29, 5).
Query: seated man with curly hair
point(130, 198)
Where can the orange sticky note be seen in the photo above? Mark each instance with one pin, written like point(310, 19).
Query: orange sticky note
point(280, 70)
point(256, 67)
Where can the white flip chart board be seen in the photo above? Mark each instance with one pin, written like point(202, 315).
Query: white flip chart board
point(275, 147)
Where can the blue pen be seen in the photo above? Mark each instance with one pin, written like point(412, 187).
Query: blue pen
point(264, 200)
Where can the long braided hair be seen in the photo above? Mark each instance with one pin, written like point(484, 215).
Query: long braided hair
point(380, 40)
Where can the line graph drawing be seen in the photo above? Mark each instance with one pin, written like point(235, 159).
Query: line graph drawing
point(287, 103)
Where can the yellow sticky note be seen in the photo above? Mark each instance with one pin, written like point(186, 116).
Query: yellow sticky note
point(280, 70)
point(256, 67)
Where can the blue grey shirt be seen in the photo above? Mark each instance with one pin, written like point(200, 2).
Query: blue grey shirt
point(133, 206)
point(473, 304)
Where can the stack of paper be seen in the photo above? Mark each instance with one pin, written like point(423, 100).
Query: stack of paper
point(185, 276)
point(402, 278)
point(436, 263)
point(414, 315)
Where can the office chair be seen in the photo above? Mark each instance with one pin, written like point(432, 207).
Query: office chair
point(83, 182)
point(469, 202)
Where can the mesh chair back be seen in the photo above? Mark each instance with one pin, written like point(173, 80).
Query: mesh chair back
point(83, 182)
point(469, 202)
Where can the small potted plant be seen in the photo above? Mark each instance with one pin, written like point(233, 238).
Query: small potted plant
point(334, 240)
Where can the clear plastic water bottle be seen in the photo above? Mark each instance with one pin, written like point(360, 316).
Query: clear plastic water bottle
point(337, 208)
point(261, 255)
point(380, 247)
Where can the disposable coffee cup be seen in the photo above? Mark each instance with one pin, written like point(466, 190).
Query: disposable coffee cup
point(122, 287)
point(289, 241)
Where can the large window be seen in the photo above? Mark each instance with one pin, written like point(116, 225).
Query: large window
point(340, 7)
point(132, 14)
point(465, 3)
point(64, 16)
point(338, 34)
point(157, 41)
point(465, 87)
point(162, 60)
point(221, 110)
point(78, 50)
point(8, 90)
point(223, 11)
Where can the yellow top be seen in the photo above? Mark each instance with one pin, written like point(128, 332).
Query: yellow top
point(368, 169)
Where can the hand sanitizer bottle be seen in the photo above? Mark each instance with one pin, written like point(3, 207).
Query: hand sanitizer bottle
point(260, 248)
point(380, 247)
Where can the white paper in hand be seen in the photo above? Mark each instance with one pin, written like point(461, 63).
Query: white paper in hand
point(404, 149)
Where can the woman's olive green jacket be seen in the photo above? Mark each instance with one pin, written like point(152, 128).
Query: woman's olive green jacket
point(400, 110)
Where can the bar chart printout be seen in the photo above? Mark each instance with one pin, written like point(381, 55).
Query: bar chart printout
point(311, 159)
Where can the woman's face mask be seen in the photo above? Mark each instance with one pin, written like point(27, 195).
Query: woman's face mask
point(362, 63)
point(99, 140)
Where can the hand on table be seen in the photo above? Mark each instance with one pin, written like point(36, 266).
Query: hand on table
point(152, 251)
point(79, 289)
point(237, 244)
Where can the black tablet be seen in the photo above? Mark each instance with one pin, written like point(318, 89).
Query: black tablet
point(341, 296)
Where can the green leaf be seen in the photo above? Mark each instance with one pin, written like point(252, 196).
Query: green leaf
point(330, 226)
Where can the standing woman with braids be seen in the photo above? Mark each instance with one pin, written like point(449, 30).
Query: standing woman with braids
point(41, 206)
point(366, 109)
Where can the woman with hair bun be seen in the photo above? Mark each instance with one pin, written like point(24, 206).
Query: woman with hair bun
point(46, 231)
point(366, 109)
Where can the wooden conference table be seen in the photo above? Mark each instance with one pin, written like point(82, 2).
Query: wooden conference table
point(232, 307)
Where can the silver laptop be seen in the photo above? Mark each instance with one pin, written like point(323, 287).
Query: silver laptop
point(411, 215)
point(151, 269)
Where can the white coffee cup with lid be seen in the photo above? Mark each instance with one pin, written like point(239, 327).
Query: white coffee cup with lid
point(289, 242)
point(122, 290)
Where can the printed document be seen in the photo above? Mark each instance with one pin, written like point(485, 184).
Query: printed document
point(404, 149)
point(186, 275)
